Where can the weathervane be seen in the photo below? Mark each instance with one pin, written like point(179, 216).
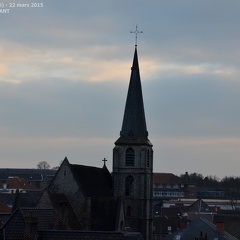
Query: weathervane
point(136, 33)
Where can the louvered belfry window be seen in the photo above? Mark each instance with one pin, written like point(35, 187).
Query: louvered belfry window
point(130, 157)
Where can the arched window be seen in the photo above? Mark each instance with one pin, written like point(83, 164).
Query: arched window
point(129, 186)
point(148, 158)
point(129, 211)
point(129, 157)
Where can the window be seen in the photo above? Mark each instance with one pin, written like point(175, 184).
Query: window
point(129, 210)
point(130, 157)
point(129, 186)
point(148, 158)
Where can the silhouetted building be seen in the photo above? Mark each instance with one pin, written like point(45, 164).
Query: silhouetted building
point(133, 160)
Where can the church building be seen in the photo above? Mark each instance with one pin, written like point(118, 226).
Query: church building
point(133, 160)
point(83, 200)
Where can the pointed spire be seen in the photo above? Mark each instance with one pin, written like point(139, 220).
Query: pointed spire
point(134, 129)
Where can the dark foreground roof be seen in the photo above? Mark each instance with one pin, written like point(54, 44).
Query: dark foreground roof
point(28, 199)
point(14, 227)
point(81, 235)
point(197, 228)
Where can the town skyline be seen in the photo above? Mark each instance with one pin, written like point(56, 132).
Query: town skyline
point(65, 69)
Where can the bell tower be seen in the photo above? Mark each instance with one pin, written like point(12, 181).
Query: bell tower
point(133, 160)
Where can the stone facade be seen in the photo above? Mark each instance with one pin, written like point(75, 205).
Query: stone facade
point(137, 196)
point(65, 182)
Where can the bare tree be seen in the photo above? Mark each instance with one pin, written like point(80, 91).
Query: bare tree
point(43, 165)
point(57, 167)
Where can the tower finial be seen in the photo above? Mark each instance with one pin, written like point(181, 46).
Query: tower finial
point(104, 160)
point(136, 33)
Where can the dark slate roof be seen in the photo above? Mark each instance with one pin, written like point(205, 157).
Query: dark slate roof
point(166, 178)
point(95, 182)
point(196, 228)
point(45, 217)
point(28, 199)
point(7, 198)
point(82, 235)
point(134, 129)
point(198, 206)
point(14, 227)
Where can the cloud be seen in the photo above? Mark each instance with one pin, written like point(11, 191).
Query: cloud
point(3, 71)
point(64, 73)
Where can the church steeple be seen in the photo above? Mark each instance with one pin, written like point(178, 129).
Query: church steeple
point(133, 160)
point(134, 129)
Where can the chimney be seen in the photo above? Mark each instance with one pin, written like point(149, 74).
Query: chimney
point(31, 223)
point(220, 227)
point(186, 178)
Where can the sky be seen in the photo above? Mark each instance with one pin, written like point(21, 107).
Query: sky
point(65, 69)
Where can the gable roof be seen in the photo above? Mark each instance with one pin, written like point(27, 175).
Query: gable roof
point(28, 199)
point(198, 227)
point(198, 206)
point(14, 227)
point(95, 182)
point(166, 178)
point(17, 183)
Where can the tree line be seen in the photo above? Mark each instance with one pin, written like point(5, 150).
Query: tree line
point(225, 183)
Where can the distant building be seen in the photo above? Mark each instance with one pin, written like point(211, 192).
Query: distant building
point(168, 186)
point(200, 229)
point(12, 184)
point(37, 177)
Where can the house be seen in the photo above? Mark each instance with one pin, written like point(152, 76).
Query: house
point(168, 186)
point(200, 229)
point(229, 220)
point(12, 184)
point(37, 177)
point(199, 209)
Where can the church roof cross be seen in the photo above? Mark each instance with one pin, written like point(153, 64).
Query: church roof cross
point(136, 34)
point(104, 160)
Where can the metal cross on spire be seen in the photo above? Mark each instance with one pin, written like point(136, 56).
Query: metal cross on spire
point(136, 33)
